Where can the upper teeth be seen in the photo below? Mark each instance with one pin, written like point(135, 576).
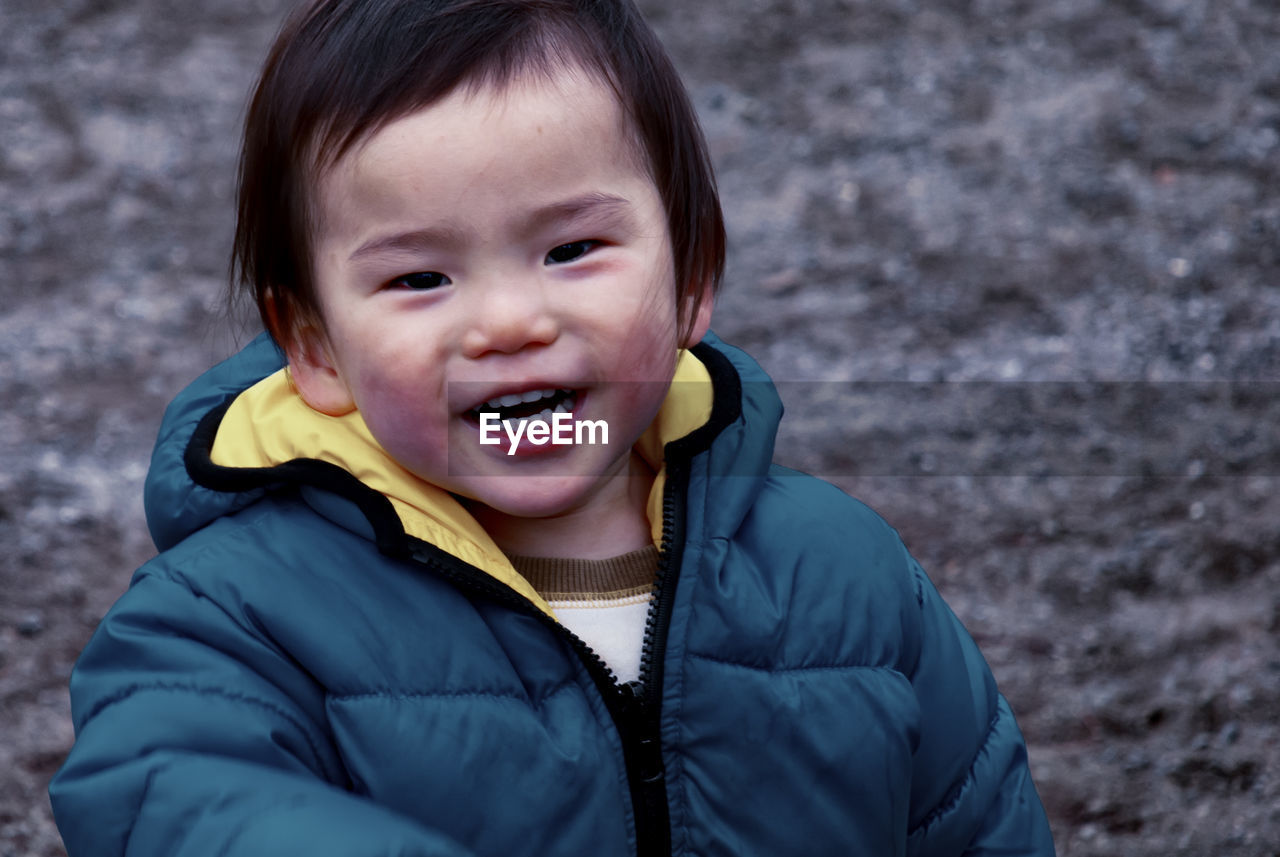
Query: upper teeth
point(513, 399)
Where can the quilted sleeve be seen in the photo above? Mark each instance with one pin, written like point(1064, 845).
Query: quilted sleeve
point(196, 736)
point(971, 789)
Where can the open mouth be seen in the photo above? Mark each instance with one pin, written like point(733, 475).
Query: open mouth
point(534, 404)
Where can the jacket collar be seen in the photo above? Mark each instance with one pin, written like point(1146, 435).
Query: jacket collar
point(186, 491)
point(269, 425)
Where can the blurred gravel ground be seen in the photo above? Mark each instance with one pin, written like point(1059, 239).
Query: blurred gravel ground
point(935, 208)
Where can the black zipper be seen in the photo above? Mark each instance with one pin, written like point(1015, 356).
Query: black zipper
point(635, 707)
point(647, 776)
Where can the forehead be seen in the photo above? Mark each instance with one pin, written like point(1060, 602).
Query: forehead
point(565, 126)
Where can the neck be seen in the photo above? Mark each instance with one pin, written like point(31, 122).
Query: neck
point(614, 522)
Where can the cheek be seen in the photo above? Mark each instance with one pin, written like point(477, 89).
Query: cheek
point(395, 360)
point(649, 340)
point(398, 406)
point(644, 310)
point(411, 437)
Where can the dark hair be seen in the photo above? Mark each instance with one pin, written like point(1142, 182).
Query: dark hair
point(340, 70)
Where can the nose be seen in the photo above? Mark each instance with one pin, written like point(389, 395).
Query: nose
point(508, 318)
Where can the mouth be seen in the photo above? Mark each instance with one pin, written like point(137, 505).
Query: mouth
point(532, 404)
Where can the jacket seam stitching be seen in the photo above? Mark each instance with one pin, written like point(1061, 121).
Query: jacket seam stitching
point(179, 687)
point(176, 577)
point(464, 694)
point(952, 800)
point(795, 669)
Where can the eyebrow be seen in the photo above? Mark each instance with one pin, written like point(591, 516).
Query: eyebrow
point(436, 236)
point(578, 206)
point(415, 240)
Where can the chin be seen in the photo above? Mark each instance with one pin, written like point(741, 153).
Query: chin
point(535, 496)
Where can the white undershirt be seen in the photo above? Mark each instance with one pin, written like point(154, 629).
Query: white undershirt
point(613, 629)
point(605, 602)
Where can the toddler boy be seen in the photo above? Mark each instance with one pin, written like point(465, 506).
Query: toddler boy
point(370, 632)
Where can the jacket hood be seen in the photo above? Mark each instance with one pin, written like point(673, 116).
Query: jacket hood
point(175, 505)
point(241, 430)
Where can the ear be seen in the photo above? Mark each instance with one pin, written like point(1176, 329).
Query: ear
point(695, 323)
point(312, 368)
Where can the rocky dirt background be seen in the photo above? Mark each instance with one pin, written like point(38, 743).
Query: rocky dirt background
point(1015, 265)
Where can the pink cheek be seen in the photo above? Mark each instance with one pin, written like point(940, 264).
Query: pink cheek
point(404, 405)
point(651, 368)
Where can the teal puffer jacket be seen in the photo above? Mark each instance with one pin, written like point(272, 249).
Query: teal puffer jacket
point(293, 674)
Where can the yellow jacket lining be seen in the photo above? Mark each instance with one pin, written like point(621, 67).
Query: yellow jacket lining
point(269, 424)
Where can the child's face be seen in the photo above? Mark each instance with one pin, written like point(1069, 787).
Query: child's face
point(493, 244)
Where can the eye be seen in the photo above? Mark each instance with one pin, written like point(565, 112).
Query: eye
point(420, 281)
point(570, 252)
